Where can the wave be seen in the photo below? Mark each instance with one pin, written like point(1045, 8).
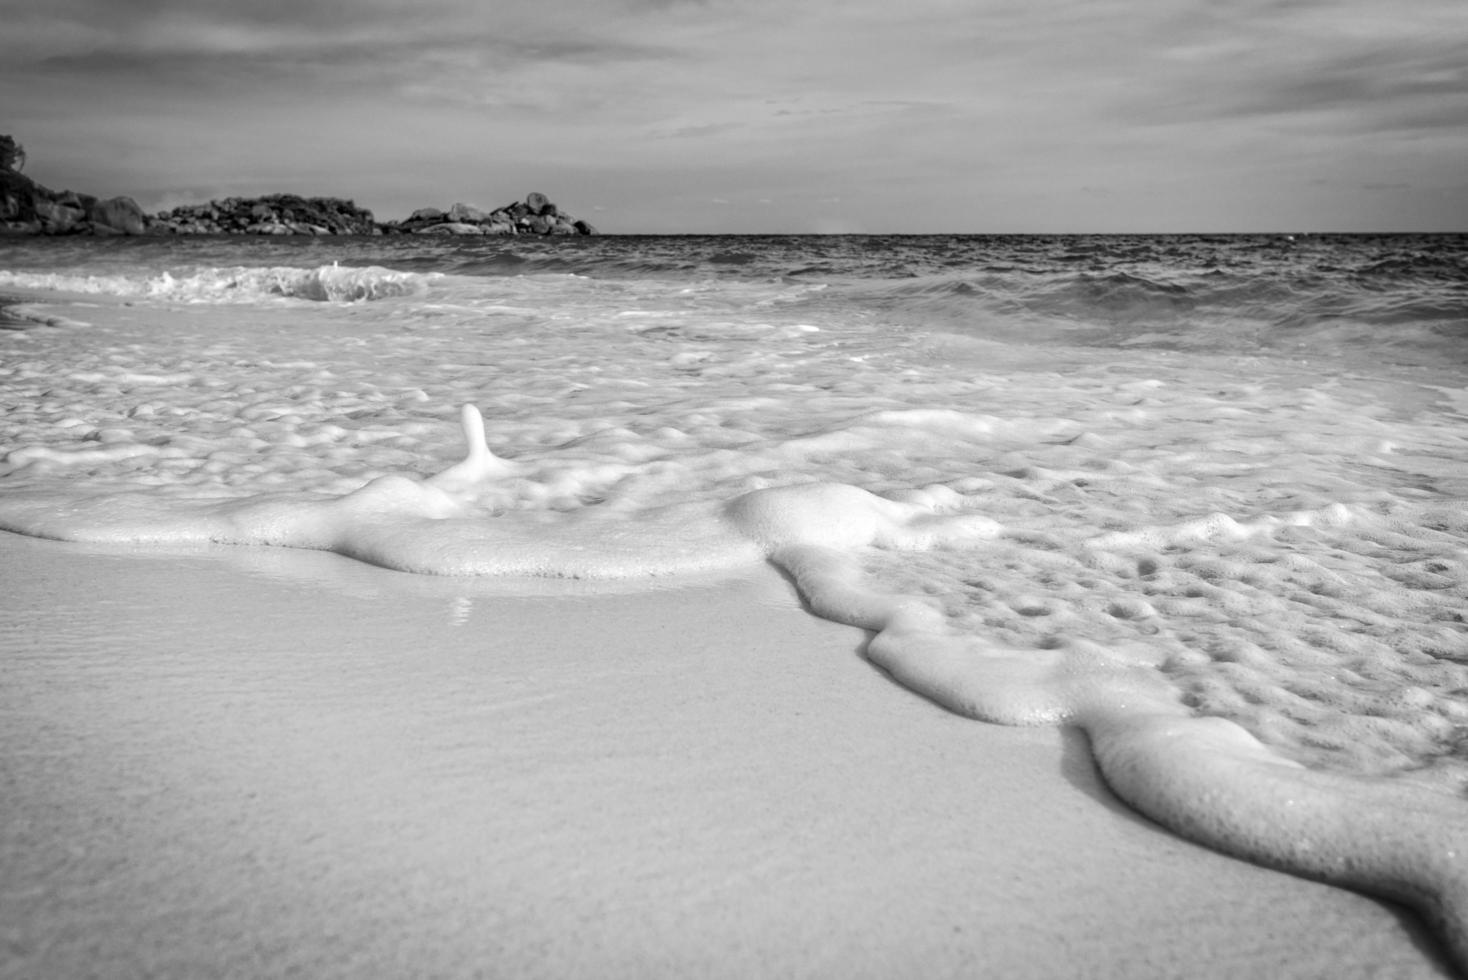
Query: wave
point(238, 284)
point(1417, 312)
point(1314, 295)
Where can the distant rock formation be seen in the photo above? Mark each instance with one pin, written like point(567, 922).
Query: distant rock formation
point(28, 208)
point(275, 214)
point(535, 215)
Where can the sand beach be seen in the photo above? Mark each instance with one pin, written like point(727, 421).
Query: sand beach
point(241, 762)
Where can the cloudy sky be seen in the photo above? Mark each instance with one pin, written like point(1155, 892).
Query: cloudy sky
point(764, 115)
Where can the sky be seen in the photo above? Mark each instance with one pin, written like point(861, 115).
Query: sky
point(764, 116)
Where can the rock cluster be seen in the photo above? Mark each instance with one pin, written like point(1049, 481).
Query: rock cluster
point(276, 214)
point(536, 215)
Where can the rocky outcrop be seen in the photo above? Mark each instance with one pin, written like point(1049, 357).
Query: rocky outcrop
point(28, 208)
point(535, 215)
point(275, 214)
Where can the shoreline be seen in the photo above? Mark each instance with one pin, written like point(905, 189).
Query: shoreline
point(264, 761)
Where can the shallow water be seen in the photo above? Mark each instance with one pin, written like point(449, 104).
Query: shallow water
point(1090, 478)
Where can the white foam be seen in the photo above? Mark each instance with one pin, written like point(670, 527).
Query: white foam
point(1205, 777)
point(238, 284)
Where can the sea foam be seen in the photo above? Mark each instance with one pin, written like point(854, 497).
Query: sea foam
point(240, 284)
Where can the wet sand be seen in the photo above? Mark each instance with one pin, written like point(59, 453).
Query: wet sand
point(242, 762)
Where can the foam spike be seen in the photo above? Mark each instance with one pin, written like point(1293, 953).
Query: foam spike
point(475, 443)
point(479, 462)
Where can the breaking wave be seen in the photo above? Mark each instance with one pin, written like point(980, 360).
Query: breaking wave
point(239, 284)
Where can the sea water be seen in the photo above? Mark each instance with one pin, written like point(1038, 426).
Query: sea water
point(1204, 497)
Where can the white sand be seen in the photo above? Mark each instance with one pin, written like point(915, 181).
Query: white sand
point(262, 763)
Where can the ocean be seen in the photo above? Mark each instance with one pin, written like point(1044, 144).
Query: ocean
point(1203, 497)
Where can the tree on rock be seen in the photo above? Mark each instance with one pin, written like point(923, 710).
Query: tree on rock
point(12, 154)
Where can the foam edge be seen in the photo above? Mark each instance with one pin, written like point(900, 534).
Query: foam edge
point(1211, 781)
point(1204, 778)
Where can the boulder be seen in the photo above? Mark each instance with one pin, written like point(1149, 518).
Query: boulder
point(425, 215)
point(451, 228)
point(58, 218)
point(119, 215)
point(536, 215)
point(467, 214)
point(18, 195)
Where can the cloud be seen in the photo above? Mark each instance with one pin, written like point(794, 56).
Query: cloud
point(1311, 57)
point(928, 114)
point(696, 132)
point(1374, 88)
